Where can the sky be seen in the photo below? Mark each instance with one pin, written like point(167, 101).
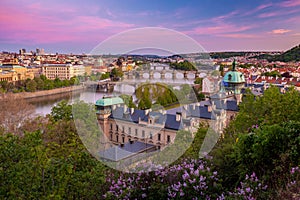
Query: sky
point(74, 26)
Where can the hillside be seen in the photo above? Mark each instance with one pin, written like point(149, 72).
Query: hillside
point(291, 55)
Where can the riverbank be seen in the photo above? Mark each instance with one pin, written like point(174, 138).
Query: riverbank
point(45, 93)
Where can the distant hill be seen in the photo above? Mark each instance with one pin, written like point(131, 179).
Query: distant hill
point(291, 55)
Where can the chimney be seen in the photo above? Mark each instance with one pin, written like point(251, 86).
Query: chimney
point(198, 104)
point(147, 111)
point(125, 108)
point(178, 116)
point(209, 108)
point(131, 110)
point(184, 114)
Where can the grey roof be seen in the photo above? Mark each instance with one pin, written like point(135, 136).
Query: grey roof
point(171, 122)
point(117, 153)
point(227, 105)
point(168, 119)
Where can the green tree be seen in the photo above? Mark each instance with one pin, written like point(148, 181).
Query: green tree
point(31, 86)
point(198, 80)
point(62, 111)
point(105, 76)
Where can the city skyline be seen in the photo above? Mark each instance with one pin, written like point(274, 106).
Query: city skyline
point(78, 27)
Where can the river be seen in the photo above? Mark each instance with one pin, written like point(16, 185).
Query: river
point(43, 105)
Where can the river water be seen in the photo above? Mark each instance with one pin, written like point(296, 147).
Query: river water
point(43, 105)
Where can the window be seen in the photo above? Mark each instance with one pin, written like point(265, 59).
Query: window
point(111, 126)
point(129, 130)
point(229, 77)
point(150, 135)
point(168, 139)
point(123, 140)
point(123, 129)
point(117, 138)
point(117, 127)
point(158, 137)
point(136, 132)
point(111, 136)
point(143, 134)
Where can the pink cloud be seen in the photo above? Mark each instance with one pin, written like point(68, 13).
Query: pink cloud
point(280, 31)
point(39, 24)
point(290, 3)
point(218, 29)
point(237, 35)
point(270, 14)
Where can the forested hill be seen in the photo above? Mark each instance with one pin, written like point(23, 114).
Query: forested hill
point(291, 55)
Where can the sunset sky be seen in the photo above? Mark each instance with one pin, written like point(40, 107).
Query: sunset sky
point(74, 26)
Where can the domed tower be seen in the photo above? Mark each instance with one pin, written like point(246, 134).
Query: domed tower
point(234, 81)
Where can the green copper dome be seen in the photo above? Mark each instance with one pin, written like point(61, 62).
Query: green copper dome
point(109, 101)
point(234, 76)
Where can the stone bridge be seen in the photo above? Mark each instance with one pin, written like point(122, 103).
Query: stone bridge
point(162, 74)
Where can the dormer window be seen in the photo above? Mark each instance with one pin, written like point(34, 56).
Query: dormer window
point(229, 77)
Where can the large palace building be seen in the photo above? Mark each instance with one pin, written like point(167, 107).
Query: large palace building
point(132, 131)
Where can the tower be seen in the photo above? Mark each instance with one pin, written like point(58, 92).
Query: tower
point(234, 81)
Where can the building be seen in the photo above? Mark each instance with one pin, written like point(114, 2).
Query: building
point(62, 71)
point(13, 73)
point(132, 129)
point(233, 82)
point(122, 125)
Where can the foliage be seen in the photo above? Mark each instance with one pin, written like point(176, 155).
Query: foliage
point(256, 150)
point(271, 108)
point(128, 100)
point(62, 111)
point(116, 74)
point(36, 84)
point(14, 113)
point(288, 56)
point(49, 165)
point(188, 180)
point(185, 65)
point(198, 80)
point(272, 73)
point(105, 76)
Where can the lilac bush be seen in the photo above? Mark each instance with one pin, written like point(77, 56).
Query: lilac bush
point(191, 179)
point(249, 189)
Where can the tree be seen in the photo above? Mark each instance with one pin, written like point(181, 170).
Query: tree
point(104, 76)
point(31, 86)
point(14, 112)
point(62, 111)
point(40, 83)
point(116, 74)
point(198, 80)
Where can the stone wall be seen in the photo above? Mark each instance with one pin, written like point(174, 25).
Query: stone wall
point(28, 95)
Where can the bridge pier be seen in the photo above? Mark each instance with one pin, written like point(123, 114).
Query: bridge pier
point(130, 75)
point(151, 74)
point(140, 74)
point(125, 75)
point(163, 74)
point(174, 74)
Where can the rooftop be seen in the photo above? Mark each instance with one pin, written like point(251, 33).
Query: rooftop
point(109, 101)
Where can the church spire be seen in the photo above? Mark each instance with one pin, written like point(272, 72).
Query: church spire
point(233, 65)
